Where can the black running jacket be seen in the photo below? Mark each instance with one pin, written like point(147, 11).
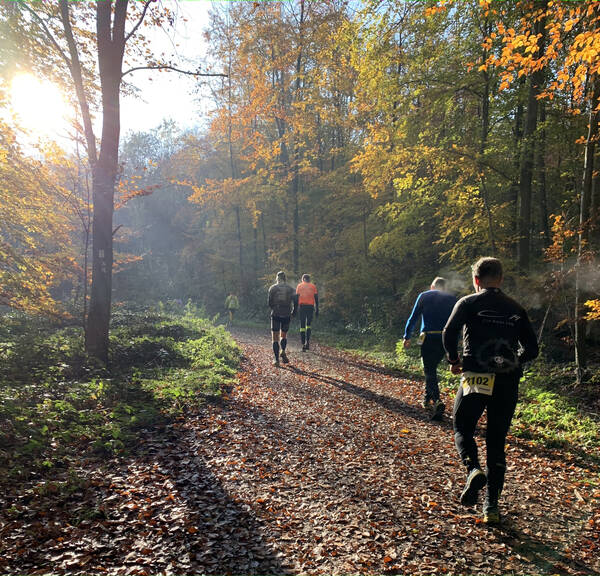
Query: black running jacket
point(497, 334)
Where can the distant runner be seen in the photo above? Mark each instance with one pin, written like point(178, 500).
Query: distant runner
point(231, 305)
point(497, 340)
point(434, 307)
point(282, 302)
point(308, 303)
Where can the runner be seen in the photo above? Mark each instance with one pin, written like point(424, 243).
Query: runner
point(231, 305)
point(434, 307)
point(497, 340)
point(308, 302)
point(282, 302)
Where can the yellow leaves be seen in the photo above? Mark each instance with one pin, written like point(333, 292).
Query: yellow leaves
point(36, 222)
point(593, 310)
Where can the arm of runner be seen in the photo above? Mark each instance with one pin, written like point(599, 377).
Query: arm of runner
point(451, 334)
point(316, 304)
point(528, 340)
point(294, 304)
point(414, 316)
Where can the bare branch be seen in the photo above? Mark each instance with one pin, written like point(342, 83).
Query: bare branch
point(117, 229)
point(77, 76)
point(167, 67)
point(139, 22)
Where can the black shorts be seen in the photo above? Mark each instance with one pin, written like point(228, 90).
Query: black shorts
point(306, 315)
point(280, 323)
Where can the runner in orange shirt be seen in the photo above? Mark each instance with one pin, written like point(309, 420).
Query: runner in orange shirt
point(308, 303)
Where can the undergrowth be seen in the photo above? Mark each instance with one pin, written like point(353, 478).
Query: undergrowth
point(58, 406)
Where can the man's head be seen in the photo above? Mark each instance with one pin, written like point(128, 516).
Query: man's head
point(487, 273)
point(438, 283)
point(305, 278)
point(281, 276)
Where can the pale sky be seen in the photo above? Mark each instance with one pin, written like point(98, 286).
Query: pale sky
point(168, 94)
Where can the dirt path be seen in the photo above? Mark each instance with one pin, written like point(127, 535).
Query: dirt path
point(325, 466)
point(346, 474)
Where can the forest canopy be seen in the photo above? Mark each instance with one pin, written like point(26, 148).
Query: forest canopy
point(372, 144)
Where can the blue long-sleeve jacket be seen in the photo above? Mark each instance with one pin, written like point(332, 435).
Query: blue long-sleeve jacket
point(434, 308)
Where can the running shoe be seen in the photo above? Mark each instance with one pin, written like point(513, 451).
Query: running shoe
point(476, 480)
point(304, 348)
point(491, 514)
point(284, 357)
point(438, 410)
point(276, 363)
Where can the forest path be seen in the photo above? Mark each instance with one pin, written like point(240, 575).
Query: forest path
point(325, 466)
point(346, 474)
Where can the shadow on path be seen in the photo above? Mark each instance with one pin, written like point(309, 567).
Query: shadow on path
point(546, 558)
point(387, 402)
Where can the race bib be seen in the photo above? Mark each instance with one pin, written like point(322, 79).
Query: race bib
point(477, 383)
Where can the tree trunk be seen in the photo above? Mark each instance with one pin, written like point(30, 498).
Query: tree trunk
point(517, 142)
point(583, 249)
point(543, 192)
point(111, 46)
point(485, 128)
point(528, 154)
point(240, 245)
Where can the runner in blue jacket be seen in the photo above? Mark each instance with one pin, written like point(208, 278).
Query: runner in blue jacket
point(434, 308)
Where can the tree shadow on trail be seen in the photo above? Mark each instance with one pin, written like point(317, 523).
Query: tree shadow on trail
point(221, 535)
point(539, 552)
point(387, 402)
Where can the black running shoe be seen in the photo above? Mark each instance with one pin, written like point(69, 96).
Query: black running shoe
point(491, 514)
point(284, 357)
point(438, 410)
point(476, 480)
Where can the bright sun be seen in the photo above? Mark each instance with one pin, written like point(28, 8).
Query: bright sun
point(39, 106)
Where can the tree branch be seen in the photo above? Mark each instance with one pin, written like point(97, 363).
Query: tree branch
point(167, 67)
point(139, 22)
point(47, 32)
point(77, 76)
point(481, 162)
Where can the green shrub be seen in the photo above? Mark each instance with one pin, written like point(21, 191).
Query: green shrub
point(56, 404)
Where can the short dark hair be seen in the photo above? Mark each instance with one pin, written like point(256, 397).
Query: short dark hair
point(281, 275)
point(306, 277)
point(439, 282)
point(487, 267)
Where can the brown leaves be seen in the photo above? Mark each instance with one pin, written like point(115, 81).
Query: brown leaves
point(324, 467)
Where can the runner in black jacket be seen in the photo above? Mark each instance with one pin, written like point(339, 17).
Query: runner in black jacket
point(282, 302)
point(497, 340)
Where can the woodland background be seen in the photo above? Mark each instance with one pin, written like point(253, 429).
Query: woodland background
point(371, 144)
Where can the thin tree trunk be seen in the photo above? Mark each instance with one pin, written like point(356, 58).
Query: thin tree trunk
point(485, 127)
point(543, 192)
point(583, 251)
point(517, 141)
point(528, 154)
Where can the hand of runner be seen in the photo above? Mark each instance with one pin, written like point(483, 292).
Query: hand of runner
point(456, 368)
point(406, 342)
